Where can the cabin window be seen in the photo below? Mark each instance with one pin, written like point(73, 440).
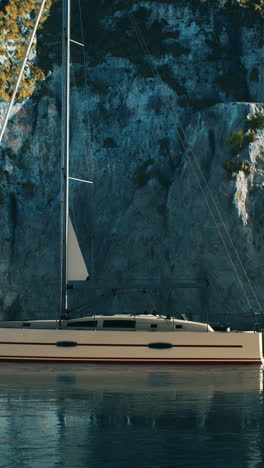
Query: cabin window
point(26, 324)
point(83, 323)
point(178, 326)
point(119, 324)
point(153, 325)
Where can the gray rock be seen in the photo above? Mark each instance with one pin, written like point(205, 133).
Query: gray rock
point(170, 199)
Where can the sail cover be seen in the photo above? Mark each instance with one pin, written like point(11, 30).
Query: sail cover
point(76, 268)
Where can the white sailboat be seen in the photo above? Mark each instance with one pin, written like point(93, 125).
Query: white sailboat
point(122, 338)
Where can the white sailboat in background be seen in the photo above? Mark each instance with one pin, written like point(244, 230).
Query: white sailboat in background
point(117, 338)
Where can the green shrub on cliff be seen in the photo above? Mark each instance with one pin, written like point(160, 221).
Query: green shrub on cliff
point(232, 167)
point(257, 5)
point(236, 140)
point(256, 121)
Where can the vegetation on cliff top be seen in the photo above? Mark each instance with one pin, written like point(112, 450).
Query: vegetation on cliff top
point(16, 23)
point(257, 5)
point(237, 141)
point(17, 19)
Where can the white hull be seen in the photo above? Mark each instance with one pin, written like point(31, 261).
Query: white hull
point(130, 347)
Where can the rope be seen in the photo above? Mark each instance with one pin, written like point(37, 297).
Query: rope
point(21, 72)
point(190, 155)
point(85, 147)
point(89, 153)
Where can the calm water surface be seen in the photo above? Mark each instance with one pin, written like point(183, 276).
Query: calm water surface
point(126, 417)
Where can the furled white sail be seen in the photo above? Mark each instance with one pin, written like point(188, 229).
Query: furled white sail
point(76, 268)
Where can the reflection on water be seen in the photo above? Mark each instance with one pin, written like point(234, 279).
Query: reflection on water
point(126, 417)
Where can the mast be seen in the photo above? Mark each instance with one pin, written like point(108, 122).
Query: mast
point(65, 143)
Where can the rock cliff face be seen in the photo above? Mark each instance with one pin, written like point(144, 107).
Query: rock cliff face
point(170, 128)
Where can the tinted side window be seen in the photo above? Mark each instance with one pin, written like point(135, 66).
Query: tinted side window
point(119, 324)
point(86, 323)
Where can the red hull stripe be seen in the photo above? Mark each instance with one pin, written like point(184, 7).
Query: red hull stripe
point(62, 358)
point(119, 345)
point(133, 361)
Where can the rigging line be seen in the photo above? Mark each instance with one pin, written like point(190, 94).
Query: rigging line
point(85, 147)
point(169, 108)
point(85, 151)
point(210, 210)
point(86, 92)
point(229, 238)
point(221, 236)
point(73, 217)
point(21, 72)
point(88, 123)
point(189, 152)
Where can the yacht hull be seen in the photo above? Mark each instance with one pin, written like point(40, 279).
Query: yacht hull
point(130, 347)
